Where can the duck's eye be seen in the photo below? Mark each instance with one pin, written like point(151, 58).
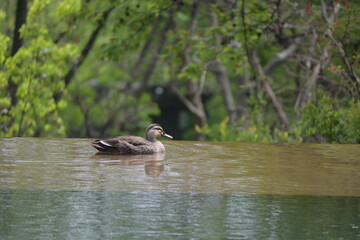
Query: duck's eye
point(158, 129)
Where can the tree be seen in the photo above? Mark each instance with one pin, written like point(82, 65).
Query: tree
point(31, 74)
point(245, 70)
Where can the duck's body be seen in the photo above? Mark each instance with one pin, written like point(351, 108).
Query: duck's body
point(134, 144)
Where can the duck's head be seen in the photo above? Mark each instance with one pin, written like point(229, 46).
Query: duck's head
point(155, 130)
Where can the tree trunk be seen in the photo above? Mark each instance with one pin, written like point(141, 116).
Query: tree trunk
point(20, 19)
point(221, 75)
point(255, 63)
point(193, 100)
point(242, 92)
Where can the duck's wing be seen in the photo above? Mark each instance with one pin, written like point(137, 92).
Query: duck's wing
point(104, 145)
point(124, 144)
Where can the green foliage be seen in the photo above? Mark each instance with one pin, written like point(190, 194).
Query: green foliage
point(253, 133)
point(254, 127)
point(332, 121)
point(328, 120)
point(37, 70)
point(103, 96)
point(68, 8)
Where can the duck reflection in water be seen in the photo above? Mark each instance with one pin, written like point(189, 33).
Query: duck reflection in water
point(154, 163)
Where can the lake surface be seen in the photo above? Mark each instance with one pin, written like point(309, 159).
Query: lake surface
point(62, 189)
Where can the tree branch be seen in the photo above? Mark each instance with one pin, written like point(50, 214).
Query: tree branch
point(192, 26)
point(192, 108)
point(195, 105)
point(157, 50)
point(283, 55)
point(345, 59)
point(268, 90)
point(221, 75)
point(89, 45)
point(339, 45)
point(135, 70)
point(84, 53)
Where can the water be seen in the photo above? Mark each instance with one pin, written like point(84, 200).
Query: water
point(60, 189)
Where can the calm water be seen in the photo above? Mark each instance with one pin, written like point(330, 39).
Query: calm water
point(60, 189)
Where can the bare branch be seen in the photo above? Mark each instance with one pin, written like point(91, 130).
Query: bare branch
point(268, 90)
point(192, 108)
point(306, 94)
point(283, 55)
point(339, 45)
point(202, 82)
point(345, 58)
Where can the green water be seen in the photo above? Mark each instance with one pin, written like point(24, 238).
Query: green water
point(45, 214)
point(59, 189)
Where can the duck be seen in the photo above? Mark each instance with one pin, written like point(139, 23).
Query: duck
point(133, 144)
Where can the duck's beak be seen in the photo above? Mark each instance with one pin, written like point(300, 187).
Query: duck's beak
point(166, 135)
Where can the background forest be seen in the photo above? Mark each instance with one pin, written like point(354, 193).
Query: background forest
point(226, 70)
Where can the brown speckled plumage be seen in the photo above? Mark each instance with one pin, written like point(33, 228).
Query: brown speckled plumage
point(134, 144)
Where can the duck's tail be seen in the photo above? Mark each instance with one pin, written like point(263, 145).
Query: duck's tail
point(103, 147)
